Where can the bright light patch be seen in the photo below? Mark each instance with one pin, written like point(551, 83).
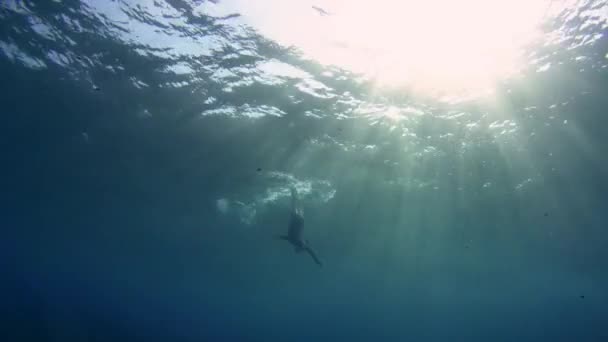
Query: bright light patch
point(223, 205)
point(447, 47)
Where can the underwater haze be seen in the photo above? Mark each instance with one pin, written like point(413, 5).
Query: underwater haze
point(450, 163)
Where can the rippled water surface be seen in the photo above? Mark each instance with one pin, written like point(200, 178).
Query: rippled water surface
point(450, 161)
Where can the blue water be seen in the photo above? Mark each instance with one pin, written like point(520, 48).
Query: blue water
point(144, 182)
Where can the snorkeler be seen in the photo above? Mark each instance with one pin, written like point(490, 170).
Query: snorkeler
point(296, 228)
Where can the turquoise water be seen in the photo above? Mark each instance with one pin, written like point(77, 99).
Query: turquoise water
point(149, 148)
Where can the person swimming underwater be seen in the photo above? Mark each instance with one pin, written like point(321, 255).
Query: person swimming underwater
point(296, 228)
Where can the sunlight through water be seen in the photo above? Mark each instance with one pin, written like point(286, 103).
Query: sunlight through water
point(446, 160)
point(434, 48)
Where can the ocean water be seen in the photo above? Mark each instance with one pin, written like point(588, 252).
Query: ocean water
point(149, 148)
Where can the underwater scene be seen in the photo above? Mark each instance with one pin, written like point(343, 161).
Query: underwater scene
point(295, 170)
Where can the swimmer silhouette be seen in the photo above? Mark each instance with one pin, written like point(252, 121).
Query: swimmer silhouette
point(296, 228)
point(321, 11)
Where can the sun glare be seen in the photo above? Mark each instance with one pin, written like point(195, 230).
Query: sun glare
point(435, 47)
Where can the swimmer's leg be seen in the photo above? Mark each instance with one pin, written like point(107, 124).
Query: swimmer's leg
point(295, 205)
point(314, 256)
point(294, 199)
